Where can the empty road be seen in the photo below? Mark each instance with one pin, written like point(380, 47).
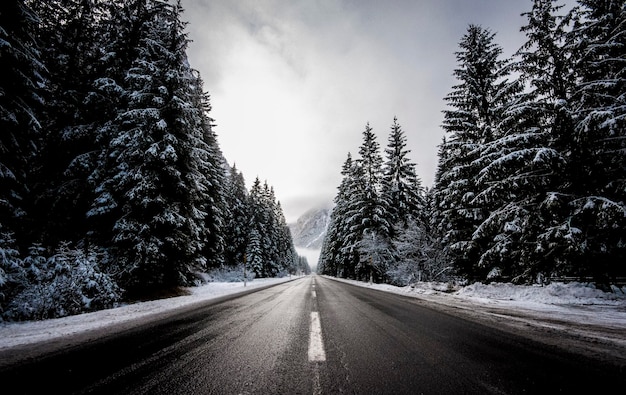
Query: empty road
point(312, 335)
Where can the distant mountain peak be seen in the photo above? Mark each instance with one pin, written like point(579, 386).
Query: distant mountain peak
point(309, 230)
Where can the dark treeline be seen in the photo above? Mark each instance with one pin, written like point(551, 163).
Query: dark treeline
point(531, 181)
point(112, 182)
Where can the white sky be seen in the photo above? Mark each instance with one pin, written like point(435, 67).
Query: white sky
point(557, 307)
point(293, 82)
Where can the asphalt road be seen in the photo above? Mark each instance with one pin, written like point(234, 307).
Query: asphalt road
point(311, 336)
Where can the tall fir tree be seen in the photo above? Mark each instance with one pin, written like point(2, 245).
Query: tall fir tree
point(471, 124)
point(254, 258)
point(401, 185)
point(207, 175)
point(529, 160)
point(161, 160)
point(237, 221)
point(70, 34)
point(122, 36)
point(270, 242)
point(287, 254)
point(21, 103)
point(272, 233)
point(368, 213)
point(596, 186)
point(257, 227)
point(337, 257)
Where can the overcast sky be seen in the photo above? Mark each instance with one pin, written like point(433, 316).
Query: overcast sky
point(294, 82)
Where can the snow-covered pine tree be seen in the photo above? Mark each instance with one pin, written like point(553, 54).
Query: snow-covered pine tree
point(207, 175)
point(20, 107)
point(437, 200)
point(160, 155)
point(259, 244)
point(13, 277)
point(335, 260)
point(407, 207)
point(287, 254)
point(418, 255)
point(401, 185)
point(275, 251)
point(70, 34)
point(528, 162)
point(281, 251)
point(368, 212)
point(237, 221)
point(324, 264)
point(596, 186)
point(471, 124)
point(68, 282)
point(122, 34)
point(254, 257)
point(273, 231)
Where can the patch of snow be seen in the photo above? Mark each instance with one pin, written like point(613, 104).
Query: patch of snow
point(555, 294)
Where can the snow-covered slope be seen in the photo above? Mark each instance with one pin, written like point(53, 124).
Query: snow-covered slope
point(310, 229)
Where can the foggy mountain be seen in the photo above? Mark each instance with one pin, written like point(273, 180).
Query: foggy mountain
point(310, 229)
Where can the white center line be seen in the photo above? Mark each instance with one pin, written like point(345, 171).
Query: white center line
point(314, 294)
point(316, 345)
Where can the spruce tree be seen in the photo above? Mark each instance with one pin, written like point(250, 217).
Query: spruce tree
point(336, 256)
point(270, 241)
point(254, 254)
point(597, 159)
point(401, 185)
point(123, 35)
point(272, 232)
point(259, 245)
point(287, 254)
point(368, 212)
point(471, 124)
point(236, 223)
point(20, 113)
point(529, 168)
point(160, 160)
point(70, 33)
point(207, 175)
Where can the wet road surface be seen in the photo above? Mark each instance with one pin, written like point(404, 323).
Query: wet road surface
point(312, 335)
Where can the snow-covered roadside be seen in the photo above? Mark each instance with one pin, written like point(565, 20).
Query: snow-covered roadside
point(21, 333)
point(574, 316)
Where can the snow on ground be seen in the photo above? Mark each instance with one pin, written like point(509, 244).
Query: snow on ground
point(21, 333)
point(575, 316)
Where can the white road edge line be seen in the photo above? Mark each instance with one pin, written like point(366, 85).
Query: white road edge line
point(316, 345)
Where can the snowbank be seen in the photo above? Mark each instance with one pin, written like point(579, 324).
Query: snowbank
point(555, 293)
point(573, 293)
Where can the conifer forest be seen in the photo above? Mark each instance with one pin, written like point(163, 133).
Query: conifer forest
point(531, 177)
point(113, 186)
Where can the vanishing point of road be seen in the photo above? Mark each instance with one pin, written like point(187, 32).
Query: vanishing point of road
point(312, 335)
